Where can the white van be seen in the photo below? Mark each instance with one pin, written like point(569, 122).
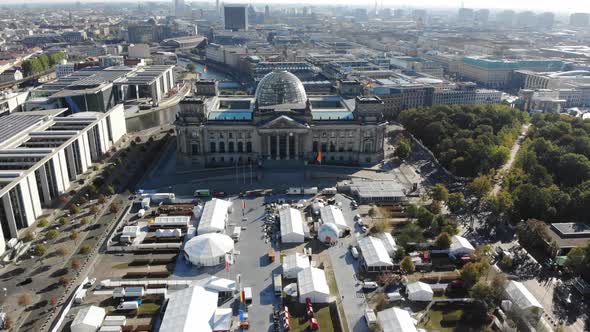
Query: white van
point(128, 305)
point(370, 285)
point(394, 296)
point(354, 252)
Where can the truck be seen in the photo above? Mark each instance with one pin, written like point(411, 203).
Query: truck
point(310, 191)
point(247, 294)
point(370, 316)
point(128, 305)
point(111, 328)
point(294, 191)
point(278, 284)
point(121, 292)
point(236, 232)
point(173, 232)
point(329, 191)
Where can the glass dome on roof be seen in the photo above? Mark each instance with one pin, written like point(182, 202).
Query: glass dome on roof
point(280, 87)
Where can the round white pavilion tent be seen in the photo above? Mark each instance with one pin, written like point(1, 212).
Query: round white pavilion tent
point(208, 249)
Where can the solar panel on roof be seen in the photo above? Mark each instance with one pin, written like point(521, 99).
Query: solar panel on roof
point(11, 125)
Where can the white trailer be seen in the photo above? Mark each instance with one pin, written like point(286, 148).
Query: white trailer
point(121, 292)
point(128, 305)
point(329, 191)
point(294, 191)
point(236, 233)
point(114, 321)
point(310, 191)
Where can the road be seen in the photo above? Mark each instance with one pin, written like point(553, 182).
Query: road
point(513, 152)
point(345, 267)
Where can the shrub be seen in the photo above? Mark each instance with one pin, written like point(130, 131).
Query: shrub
point(85, 249)
point(76, 264)
point(40, 250)
point(102, 199)
point(443, 241)
point(62, 251)
point(64, 281)
point(43, 222)
point(29, 236)
point(93, 210)
point(84, 221)
point(64, 221)
point(25, 299)
point(52, 234)
point(379, 226)
point(114, 208)
point(74, 235)
point(74, 209)
point(407, 265)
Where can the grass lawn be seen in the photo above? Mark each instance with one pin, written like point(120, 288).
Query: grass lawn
point(331, 279)
point(300, 324)
point(121, 266)
point(148, 308)
point(450, 317)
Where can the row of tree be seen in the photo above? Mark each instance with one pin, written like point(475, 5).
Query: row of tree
point(551, 180)
point(41, 63)
point(467, 139)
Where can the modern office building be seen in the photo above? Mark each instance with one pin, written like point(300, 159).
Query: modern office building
point(179, 8)
point(279, 123)
point(64, 68)
point(235, 17)
point(42, 153)
point(580, 19)
point(99, 89)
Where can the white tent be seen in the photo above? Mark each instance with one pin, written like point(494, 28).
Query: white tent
point(214, 216)
point(419, 291)
point(388, 242)
point(88, 319)
point(208, 249)
point(217, 284)
point(396, 320)
point(332, 214)
point(374, 253)
point(190, 309)
point(172, 221)
point(328, 233)
point(222, 319)
point(131, 231)
point(294, 263)
point(460, 246)
point(312, 284)
point(524, 301)
point(291, 226)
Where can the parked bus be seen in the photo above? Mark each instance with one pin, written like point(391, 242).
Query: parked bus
point(202, 193)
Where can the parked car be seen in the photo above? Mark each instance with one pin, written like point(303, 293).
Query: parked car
point(90, 282)
point(370, 285)
point(354, 252)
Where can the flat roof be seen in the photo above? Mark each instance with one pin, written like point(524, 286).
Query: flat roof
point(14, 124)
point(377, 189)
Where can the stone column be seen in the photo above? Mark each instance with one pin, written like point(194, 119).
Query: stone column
point(277, 148)
point(269, 147)
point(288, 139)
point(296, 146)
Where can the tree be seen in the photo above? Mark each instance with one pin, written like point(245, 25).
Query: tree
point(25, 299)
point(85, 249)
point(470, 273)
point(74, 209)
point(8, 323)
point(40, 250)
point(411, 211)
point(456, 202)
point(64, 281)
point(62, 252)
point(573, 169)
point(439, 193)
point(84, 221)
point(407, 265)
point(29, 236)
point(43, 222)
point(490, 295)
point(93, 210)
point(400, 253)
point(191, 67)
point(500, 203)
point(52, 234)
point(114, 208)
point(373, 212)
point(481, 185)
point(64, 221)
point(575, 260)
point(110, 190)
point(74, 235)
point(379, 226)
point(425, 217)
point(53, 301)
point(403, 148)
point(443, 240)
point(101, 199)
point(76, 264)
point(44, 59)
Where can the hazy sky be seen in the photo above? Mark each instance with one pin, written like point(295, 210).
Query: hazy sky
point(534, 5)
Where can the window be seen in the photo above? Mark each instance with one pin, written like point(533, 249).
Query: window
point(194, 134)
point(332, 147)
point(221, 135)
point(230, 135)
point(230, 147)
point(249, 147)
point(240, 147)
point(248, 134)
point(240, 134)
point(222, 147)
point(195, 148)
point(325, 146)
point(212, 147)
point(222, 159)
point(315, 146)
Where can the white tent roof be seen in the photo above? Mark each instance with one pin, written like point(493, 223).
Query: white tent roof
point(172, 221)
point(396, 320)
point(88, 318)
point(220, 284)
point(291, 222)
point(130, 231)
point(209, 245)
point(312, 280)
point(460, 243)
point(294, 263)
point(332, 214)
point(374, 252)
point(328, 230)
point(388, 242)
point(214, 216)
point(521, 296)
point(190, 309)
point(419, 291)
point(222, 320)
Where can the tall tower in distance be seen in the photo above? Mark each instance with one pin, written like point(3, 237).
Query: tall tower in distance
point(179, 7)
point(235, 17)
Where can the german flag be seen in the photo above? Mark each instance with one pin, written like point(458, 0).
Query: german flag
point(319, 157)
